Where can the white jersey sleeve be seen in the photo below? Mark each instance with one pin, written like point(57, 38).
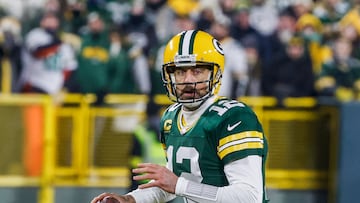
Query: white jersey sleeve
point(245, 184)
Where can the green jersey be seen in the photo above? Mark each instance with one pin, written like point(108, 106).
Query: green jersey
point(227, 131)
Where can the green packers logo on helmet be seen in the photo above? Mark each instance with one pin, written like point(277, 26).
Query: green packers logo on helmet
point(218, 46)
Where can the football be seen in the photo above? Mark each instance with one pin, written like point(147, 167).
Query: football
point(108, 200)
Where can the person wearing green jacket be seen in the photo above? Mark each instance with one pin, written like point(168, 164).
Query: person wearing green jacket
point(92, 73)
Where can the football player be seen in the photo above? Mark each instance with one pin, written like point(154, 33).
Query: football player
point(215, 147)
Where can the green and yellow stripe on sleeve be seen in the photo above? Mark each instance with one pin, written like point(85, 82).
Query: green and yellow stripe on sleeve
point(249, 140)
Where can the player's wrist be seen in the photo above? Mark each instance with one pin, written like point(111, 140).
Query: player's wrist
point(181, 186)
point(188, 188)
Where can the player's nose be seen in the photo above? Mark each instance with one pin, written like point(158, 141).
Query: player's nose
point(189, 76)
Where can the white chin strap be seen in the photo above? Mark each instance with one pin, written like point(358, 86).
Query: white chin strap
point(193, 105)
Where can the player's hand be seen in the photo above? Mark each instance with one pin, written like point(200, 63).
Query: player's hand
point(113, 198)
point(161, 177)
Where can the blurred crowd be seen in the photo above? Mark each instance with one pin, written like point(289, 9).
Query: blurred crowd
point(279, 48)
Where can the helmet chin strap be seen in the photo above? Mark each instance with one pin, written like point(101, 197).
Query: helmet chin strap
point(194, 105)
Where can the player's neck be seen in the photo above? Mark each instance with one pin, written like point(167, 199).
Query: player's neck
point(192, 115)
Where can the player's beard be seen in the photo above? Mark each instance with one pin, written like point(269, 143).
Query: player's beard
point(190, 92)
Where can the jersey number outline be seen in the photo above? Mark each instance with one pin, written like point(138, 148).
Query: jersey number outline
point(225, 106)
point(186, 153)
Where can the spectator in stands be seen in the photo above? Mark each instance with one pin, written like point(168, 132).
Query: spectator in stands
point(275, 44)
point(92, 73)
point(140, 68)
point(330, 12)
point(47, 61)
point(128, 74)
point(99, 7)
point(162, 17)
point(263, 16)
point(140, 31)
point(121, 77)
point(340, 77)
point(251, 47)
point(205, 19)
point(311, 29)
point(302, 7)
point(185, 7)
point(290, 74)
point(183, 22)
point(229, 7)
point(349, 28)
point(254, 44)
point(33, 11)
point(74, 17)
point(235, 76)
point(241, 28)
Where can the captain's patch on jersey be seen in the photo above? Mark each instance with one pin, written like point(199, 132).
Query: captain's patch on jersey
point(167, 125)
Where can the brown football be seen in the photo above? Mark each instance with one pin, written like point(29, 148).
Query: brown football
point(109, 200)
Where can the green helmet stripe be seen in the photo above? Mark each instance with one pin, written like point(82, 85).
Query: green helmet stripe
point(192, 39)
point(181, 42)
point(186, 44)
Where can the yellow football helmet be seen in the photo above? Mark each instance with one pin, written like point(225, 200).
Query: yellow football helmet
point(190, 49)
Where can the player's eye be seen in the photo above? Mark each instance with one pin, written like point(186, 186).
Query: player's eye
point(179, 72)
point(197, 71)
